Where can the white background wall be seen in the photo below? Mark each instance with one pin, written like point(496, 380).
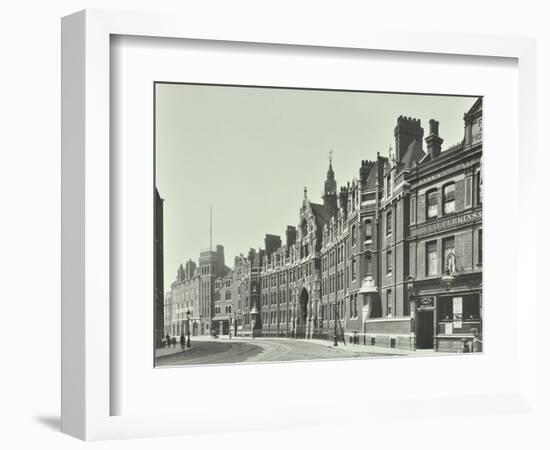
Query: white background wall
point(30, 186)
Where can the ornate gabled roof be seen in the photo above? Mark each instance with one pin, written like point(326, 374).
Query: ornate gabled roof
point(476, 108)
point(320, 212)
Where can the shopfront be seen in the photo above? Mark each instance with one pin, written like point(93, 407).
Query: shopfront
point(448, 322)
point(458, 322)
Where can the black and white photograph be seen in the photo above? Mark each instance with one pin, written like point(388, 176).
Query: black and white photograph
point(301, 224)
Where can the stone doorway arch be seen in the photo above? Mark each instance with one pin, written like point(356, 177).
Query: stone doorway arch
point(304, 303)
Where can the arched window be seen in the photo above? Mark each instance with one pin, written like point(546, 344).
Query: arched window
point(449, 198)
point(304, 228)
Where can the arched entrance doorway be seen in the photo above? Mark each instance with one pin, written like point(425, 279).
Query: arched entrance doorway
point(301, 324)
point(304, 300)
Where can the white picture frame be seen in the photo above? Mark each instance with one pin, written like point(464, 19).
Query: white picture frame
point(86, 246)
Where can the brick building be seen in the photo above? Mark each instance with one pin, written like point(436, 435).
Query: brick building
point(158, 308)
point(445, 240)
point(184, 297)
point(392, 258)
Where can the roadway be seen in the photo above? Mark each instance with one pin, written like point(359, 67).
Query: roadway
point(241, 350)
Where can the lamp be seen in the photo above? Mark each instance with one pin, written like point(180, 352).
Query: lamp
point(447, 280)
point(410, 285)
point(188, 314)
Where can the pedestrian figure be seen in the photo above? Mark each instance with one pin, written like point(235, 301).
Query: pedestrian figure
point(174, 341)
point(476, 343)
point(465, 346)
point(182, 341)
point(167, 340)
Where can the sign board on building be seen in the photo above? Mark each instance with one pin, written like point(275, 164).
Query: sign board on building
point(447, 223)
point(449, 328)
point(457, 305)
point(426, 303)
point(457, 311)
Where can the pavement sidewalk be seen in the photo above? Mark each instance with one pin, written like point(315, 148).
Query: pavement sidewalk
point(357, 349)
point(352, 348)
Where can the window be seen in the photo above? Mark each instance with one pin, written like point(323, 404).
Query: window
point(389, 302)
point(388, 223)
point(431, 259)
point(389, 262)
point(449, 199)
point(388, 186)
point(353, 269)
point(479, 195)
point(449, 264)
point(368, 263)
point(480, 246)
point(368, 230)
point(431, 204)
point(228, 295)
point(353, 236)
point(413, 210)
point(468, 193)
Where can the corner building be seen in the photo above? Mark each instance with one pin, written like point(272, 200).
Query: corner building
point(394, 257)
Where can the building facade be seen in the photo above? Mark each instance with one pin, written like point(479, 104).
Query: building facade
point(445, 240)
point(183, 301)
point(158, 309)
point(392, 258)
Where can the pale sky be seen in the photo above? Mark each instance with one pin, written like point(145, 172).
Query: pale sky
point(249, 153)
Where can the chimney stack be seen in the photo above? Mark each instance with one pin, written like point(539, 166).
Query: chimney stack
point(272, 243)
point(290, 236)
point(406, 132)
point(343, 199)
point(433, 141)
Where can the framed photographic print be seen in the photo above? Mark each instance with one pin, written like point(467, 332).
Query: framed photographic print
point(386, 263)
point(260, 227)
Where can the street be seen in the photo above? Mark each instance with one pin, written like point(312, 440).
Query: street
point(239, 350)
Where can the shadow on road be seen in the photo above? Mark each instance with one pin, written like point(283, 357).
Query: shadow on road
point(211, 352)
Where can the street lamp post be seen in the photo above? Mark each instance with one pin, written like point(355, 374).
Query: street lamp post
point(411, 292)
point(253, 314)
point(335, 316)
point(188, 329)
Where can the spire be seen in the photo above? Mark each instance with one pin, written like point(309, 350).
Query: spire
point(305, 192)
point(330, 182)
point(330, 172)
point(330, 192)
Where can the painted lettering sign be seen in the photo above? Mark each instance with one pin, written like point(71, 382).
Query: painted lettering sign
point(426, 303)
point(446, 223)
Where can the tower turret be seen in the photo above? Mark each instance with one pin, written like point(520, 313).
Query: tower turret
point(330, 195)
